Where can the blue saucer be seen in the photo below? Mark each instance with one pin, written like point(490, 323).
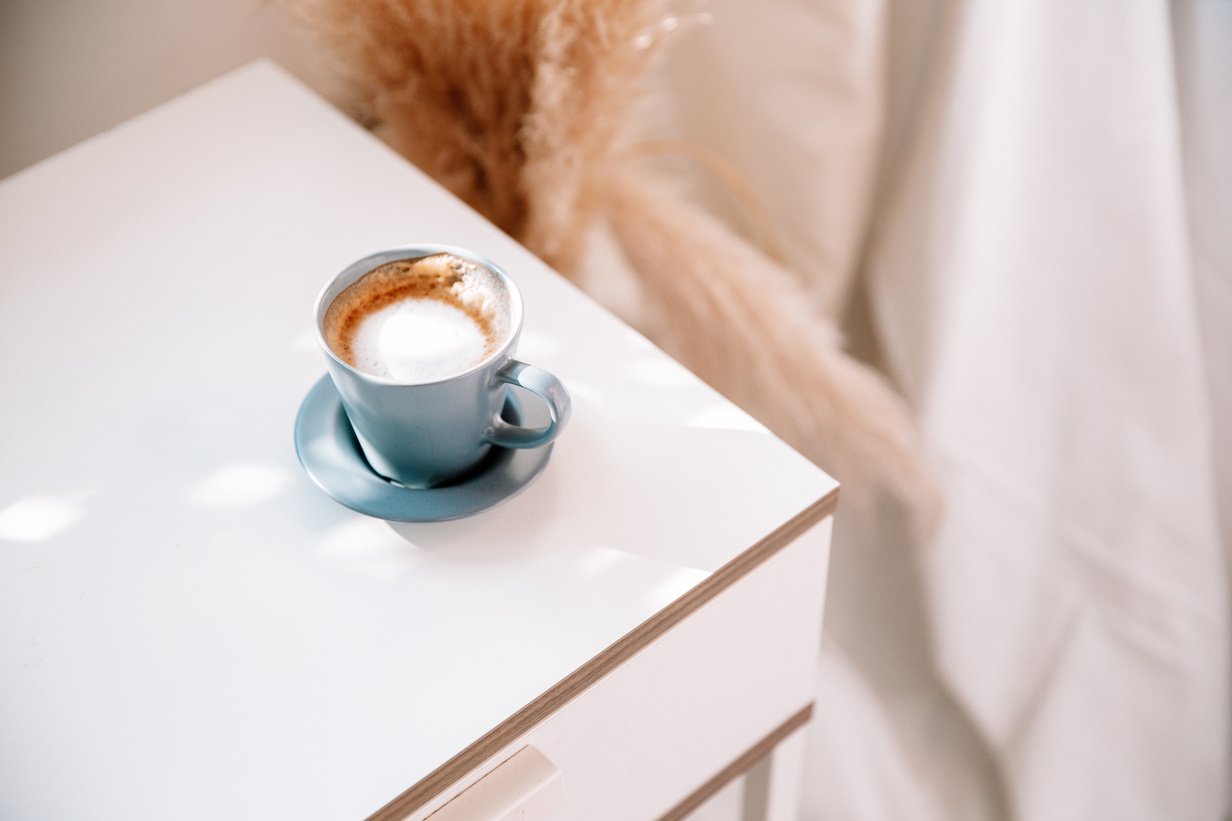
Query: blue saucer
point(330, 453)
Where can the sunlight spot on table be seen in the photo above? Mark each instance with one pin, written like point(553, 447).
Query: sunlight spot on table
point(239, 485)
point(307, 341)
point(660, 372)
point(39, 518)
point(538, 344)
point(674, 585)
point(370, 547)
point(600, 560)
point(583, 392)
point(725, 417)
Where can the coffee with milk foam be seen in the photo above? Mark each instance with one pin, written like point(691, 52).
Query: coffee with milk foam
point(419, 320)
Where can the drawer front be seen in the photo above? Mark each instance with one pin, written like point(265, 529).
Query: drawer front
point(649, 733)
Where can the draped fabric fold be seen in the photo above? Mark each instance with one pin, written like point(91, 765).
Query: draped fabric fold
point(1045, 273)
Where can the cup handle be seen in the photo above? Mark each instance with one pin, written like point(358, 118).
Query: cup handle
point(549, 389)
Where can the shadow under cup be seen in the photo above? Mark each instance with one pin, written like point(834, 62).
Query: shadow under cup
point(424, 434)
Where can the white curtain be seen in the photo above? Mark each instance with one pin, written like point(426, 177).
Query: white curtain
point(1022, 210)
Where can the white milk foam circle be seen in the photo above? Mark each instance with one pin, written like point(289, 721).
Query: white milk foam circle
point(418, 340)
point(420, 320)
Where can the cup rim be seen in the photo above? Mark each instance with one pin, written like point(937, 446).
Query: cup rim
point(359, 267)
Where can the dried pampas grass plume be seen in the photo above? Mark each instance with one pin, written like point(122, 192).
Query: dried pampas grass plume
point(519, 107)
point(741, 323)
point(507, 103)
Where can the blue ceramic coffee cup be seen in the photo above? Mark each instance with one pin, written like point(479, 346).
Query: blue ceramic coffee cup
point(430, 433)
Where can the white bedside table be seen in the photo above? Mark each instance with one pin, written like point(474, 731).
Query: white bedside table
point(189, 628)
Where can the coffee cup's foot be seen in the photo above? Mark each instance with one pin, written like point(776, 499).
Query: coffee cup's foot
point(487, 463)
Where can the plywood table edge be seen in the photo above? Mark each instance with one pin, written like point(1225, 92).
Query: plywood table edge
point(616, 654)
point(740, 766)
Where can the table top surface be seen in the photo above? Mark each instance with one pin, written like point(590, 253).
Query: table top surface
point(189, 627)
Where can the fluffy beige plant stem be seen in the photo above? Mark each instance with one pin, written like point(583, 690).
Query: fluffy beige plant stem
point(510, 104)
point(592, 57)
point(446, 83)
point(742, 323)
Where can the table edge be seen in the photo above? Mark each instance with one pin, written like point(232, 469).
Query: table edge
point(616, 654)
point(745, 762)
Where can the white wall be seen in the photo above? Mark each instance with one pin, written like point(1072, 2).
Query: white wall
point(72, 68)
